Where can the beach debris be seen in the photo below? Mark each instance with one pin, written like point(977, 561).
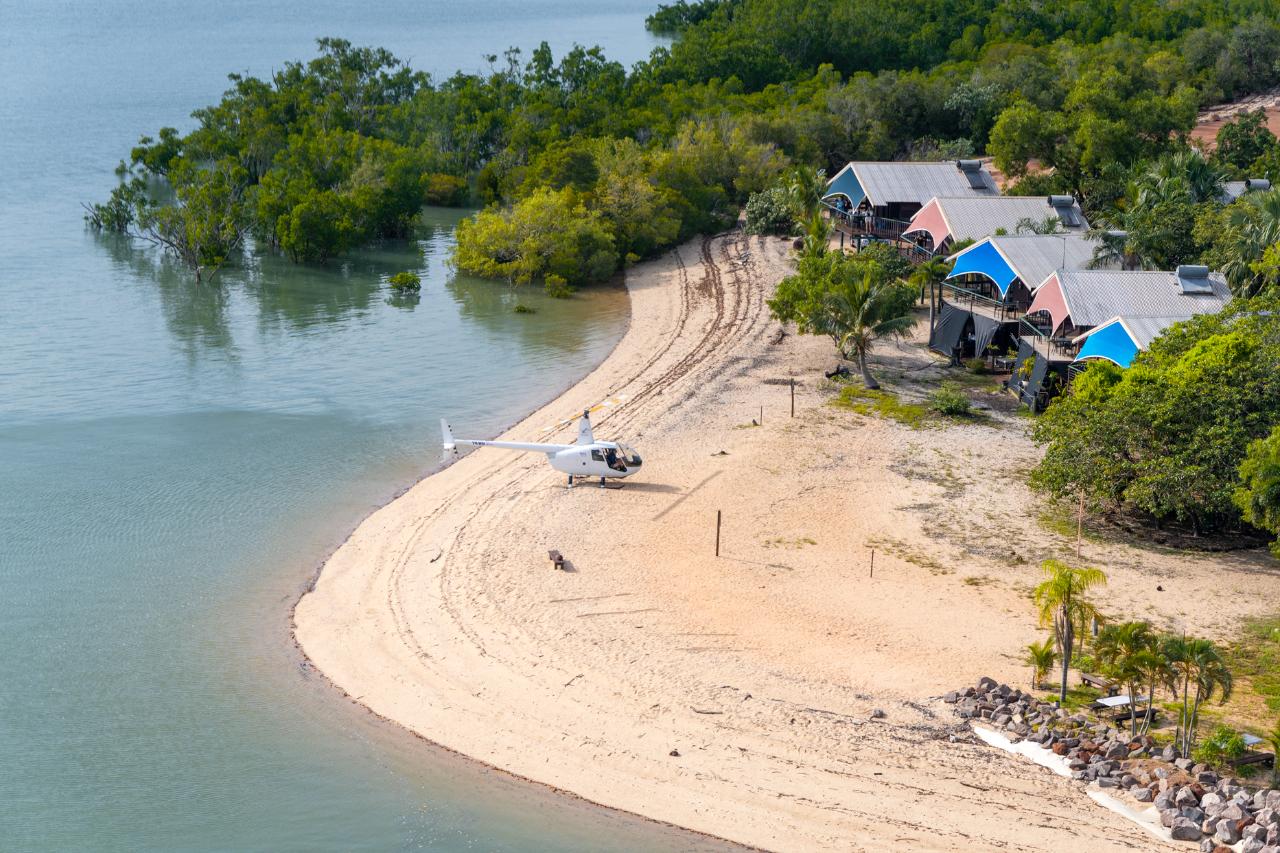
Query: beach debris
point(877, 714)
point(721, 453)
point(675, 753)
point(1194, 802)
point(557, 559)
point(840, 370)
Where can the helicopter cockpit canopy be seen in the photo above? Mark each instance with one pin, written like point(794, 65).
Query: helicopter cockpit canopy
point(629, 456)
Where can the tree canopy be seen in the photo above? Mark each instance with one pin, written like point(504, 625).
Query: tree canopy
point(345, 148)
point(1167, 436)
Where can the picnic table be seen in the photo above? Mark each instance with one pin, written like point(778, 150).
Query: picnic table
point(1122, 707)
point(1254, 756)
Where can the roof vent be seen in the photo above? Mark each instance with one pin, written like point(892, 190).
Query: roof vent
point(1261, 184)
point(1193, 278)
point(972, 170)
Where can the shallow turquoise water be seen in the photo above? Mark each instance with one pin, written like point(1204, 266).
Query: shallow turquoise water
point(175, 461)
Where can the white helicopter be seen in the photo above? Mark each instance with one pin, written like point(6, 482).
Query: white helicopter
point(584, 458)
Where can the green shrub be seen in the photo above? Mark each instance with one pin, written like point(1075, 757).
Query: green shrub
point(521, 308)
point(949, 402)
point(405, 282)
point(1220, 748)
point(976, 365)
point(557, 287)
point(771, 211)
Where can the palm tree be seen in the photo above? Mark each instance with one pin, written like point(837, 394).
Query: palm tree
point(1185, 172)
point(1255, 226)
point(1199, 664)
point(861, 312)
point(1061, 602)
point(1112, 250)
point(1030, 225)
point(817, 234)
point(1123, 651)
point(929, 275)
point(1040, 657)
point(805, 187)
point(1211, 675)
point(1156, 672)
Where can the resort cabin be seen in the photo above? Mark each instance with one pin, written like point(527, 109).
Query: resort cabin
point(990, 287)
point(1232, 190)
point(1078, 314)
point(946, 221)
point(877, 199)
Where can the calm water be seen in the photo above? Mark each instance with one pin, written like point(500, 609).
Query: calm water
point(176, 460)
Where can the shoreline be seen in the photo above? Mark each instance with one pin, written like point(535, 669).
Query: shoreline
point(304, 660)
point(310, 586)
point(774, 696)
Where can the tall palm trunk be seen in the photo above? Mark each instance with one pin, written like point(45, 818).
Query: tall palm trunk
point(867, 380)
point(1151, 698)
point(1133, 709)
point(1067, 638)
point(932, 309)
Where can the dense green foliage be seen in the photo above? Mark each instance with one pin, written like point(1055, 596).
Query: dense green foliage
point(345, 148)
point(1258, 496)
point(1168, 435)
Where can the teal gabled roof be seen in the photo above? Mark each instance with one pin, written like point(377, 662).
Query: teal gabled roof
point(1112, 341)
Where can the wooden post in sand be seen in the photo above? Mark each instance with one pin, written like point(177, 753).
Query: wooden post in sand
point(762, 416)
point(717, 533)
point(873, 562)
point(793, 396)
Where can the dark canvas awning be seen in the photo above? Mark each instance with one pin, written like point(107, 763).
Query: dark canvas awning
point(984, 329)
point(948, 330)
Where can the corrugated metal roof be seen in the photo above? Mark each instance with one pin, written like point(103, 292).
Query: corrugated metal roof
point(1034, 257)
point(890, 182)
point(974, 217)
point(1095, 296)
point(1144, 330)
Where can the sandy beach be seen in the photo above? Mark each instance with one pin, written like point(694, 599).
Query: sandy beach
point(735, 695)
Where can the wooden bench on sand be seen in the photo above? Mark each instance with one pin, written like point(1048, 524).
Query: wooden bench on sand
point(1254, 757)
point(1106, 685)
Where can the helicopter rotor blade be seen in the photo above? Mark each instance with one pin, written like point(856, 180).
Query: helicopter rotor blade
point(611, 402)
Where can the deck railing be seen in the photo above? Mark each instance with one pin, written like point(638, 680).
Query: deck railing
point(878, 228)
point(996, 309)
point(1054, 349)
point(866, 224)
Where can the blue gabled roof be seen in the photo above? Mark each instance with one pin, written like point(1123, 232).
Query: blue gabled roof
point(984, 259)
point(1111, 341)
point(845, 183)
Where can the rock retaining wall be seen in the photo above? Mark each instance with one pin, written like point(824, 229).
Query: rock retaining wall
point(1195, 803)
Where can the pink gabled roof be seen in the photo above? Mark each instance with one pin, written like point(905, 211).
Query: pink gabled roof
point(931, 220)
point(1050, 299)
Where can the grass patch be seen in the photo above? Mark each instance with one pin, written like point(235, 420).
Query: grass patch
point(1079, 697)
point(979, 580)
point(865, 401)
point(1255, 657)
point(783, 542)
